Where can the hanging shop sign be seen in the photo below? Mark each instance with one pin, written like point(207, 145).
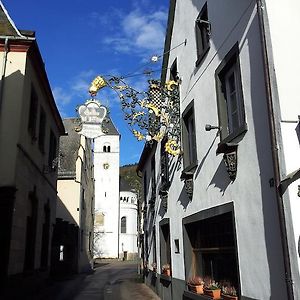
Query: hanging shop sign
point(92, 114)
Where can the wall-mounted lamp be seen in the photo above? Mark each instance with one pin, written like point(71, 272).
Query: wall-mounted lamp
point(209, 127)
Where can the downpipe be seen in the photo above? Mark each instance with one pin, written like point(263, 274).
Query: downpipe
point(282, 221)
point(4, 62)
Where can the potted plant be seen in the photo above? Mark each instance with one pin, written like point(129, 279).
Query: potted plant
point(229, 293)
point(166, 269)
point(154, 267)
point(195, 284)
point(212, 288)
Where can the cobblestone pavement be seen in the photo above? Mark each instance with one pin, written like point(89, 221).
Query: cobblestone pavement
point(111, 280)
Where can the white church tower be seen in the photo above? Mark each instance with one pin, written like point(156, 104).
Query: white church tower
point(106, 173)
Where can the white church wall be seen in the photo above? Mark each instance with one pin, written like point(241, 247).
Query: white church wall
point(128, 239)
point(106, 170)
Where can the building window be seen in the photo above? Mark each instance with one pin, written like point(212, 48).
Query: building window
point(165, 245)
point(81, 240)
point(154, 246)
point(189, 137)
point(202, 30)
point(174, 72)
point(230, 97)
point(52, 151)
point(164, 157)
point(176, 244)
point(33, 109)
point(210, 245)
point(42, 127)
point(83, 199)
point(106, 148)
point(90, 242)
point(123, 225)
point(145, 186)
point(61, 252)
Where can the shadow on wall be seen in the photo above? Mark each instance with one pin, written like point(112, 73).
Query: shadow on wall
point(65, 244)
point(264, 155)
point(205, 156)
point(220, 179)
point(184, 199)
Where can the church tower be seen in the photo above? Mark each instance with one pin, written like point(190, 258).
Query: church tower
point(106, 173)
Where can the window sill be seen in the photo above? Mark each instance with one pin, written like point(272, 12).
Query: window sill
point(233, 135)
point(189, 171)
point(165, 278)
point(164, 187)
point(194, 296)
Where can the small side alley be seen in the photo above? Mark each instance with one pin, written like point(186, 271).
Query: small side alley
point(110, 280)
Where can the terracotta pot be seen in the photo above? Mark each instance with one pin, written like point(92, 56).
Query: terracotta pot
point(198, 289)
point(167, 272)
point(229, 297)
point(214, 294)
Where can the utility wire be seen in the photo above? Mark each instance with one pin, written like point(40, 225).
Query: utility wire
point(151, 62)
point(217, 51)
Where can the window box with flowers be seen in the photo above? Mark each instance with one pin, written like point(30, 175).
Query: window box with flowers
point(154, 267)
point(229, 292)
point(166, 269)
point(195, 284)
point(212, 288)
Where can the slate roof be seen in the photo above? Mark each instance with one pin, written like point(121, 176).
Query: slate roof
point(68, 148)
point(7, 26)
point(111, 128)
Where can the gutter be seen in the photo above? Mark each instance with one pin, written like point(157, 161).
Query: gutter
point(3, 70)
point(282, 221)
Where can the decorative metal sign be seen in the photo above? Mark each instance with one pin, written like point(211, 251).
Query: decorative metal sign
point(151, 115)
point(92, 115)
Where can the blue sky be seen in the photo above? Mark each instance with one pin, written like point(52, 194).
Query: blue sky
point(80, 39)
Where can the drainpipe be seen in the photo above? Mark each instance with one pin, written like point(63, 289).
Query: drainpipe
point(3, 70)
point(282, 222)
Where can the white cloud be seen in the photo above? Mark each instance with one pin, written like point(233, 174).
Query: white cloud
point(139, 32)
point(61, 96)
point(76, 90)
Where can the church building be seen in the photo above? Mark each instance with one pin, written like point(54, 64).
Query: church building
point(107, 204)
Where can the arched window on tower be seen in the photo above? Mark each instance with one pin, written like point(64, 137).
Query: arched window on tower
point(106, 147)
point(123, 225)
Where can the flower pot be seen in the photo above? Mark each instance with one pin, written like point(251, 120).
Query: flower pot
point(198, 289)
point(229, 297)
point(214, 294)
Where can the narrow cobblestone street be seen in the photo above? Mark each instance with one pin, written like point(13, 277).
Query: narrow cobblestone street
point(110, 280)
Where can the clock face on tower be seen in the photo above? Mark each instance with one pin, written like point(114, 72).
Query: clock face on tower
point(105, 166)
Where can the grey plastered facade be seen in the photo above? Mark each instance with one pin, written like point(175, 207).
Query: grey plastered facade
point(248, 189)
